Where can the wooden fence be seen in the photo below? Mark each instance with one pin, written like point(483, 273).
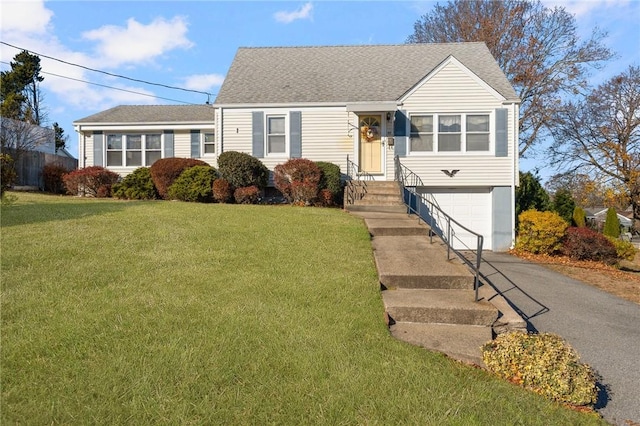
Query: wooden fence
point(29, 166)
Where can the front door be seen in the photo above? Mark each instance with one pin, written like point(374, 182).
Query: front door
point(371, 143)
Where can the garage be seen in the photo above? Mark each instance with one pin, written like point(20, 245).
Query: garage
point(469, 206)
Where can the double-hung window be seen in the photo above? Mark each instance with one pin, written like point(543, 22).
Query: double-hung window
point(114, 150)
point(477, 135)
point(208, 143)
point(276, 134)
point(449, 133)
point(421, 133)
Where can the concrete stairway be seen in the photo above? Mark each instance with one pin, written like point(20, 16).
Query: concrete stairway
point(429, 300)
point(379, 196)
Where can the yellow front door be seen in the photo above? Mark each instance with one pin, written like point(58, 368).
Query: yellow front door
point(371, 143)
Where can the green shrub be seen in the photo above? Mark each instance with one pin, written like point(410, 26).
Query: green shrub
point(52, 178)
point(94, 181)
point(7, 173)
point(242, 170)
point(612, 224)
point(543, 363)
point(195, 184)
point(247, 195)
point(166, 170)
point(540, 232)
point(331, 180)
point(579, 217)
point(137, 185)
point(563, 204)
point(222, 191)
point(298, 180)
point(624, 249)
point(587, 244)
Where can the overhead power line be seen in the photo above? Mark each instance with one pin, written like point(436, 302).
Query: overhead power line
point(110, 74)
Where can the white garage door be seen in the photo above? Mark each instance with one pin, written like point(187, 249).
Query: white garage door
point(472, 208)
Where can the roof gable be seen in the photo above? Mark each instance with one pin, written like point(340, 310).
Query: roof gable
point(463, 68)
point(340, 74)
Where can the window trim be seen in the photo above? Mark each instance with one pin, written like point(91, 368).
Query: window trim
point(287, 131)
point(463, 133)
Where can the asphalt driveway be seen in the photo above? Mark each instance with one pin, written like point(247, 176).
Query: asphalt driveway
point(604, 329)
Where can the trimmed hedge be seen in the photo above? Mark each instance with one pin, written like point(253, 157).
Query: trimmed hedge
point(247, 195)
point(330, 180)
point(195, 184)
point(94, 181)
point(166, 170)
point(540, 232)
point(8, 174)
point(298, 180)
point(543, 363)
point(587, 244)
point(612, 224)
point(242, 170)
point(222, 191)
point(52, 178)
point(137, 185)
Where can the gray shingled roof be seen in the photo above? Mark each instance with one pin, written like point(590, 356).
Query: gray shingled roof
point(132, 114)
point(347, 73)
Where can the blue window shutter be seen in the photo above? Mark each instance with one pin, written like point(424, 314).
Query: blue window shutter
point(168, 144)
point(295, 134)
point(258, 134)
point(195, 144)
point(502, 148)
point(98, 145)
point(400, 134)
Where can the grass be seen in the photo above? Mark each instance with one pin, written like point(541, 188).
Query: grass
point(175, 313)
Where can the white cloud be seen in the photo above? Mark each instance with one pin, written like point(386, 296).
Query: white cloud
point(203, 81)
point(582, 8)
point(24, 17)
point(287, 17)
point(137, 42)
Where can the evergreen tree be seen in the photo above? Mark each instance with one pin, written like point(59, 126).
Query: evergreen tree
point(530, 194)
point(579, 217)
point(563, 204)
point(612, 224)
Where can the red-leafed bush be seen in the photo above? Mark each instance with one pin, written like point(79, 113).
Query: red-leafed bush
point(166, 170)
point(587, 244)
point(247, 195)
point(298, 180)
point(52, 178)
point(222, 192)
point(326, 198)
point(92, 181)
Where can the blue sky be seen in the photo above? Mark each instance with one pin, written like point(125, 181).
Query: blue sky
point(191, 44)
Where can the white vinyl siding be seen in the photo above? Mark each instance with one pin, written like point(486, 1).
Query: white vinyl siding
point(324, 134)
point(452, 91)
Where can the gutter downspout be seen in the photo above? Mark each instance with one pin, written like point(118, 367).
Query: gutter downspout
point(515, 176)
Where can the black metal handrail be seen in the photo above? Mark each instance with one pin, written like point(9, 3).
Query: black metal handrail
point(358, 178)
point(409, 182)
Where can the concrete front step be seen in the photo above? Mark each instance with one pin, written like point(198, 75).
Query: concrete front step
point(460, 342)
point(374, 197)
point(366, 208)
point(413, 262)
point(438, 306)
point(400, 225)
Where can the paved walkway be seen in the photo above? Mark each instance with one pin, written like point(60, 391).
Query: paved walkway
point(604, 329)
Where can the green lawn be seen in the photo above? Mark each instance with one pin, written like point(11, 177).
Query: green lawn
point(174, 313)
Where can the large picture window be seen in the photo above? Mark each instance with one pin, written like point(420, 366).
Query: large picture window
point(276, 135)
point(133, 150)
point(449, 133)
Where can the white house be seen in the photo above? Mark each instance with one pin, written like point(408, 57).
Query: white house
point(438, 107)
